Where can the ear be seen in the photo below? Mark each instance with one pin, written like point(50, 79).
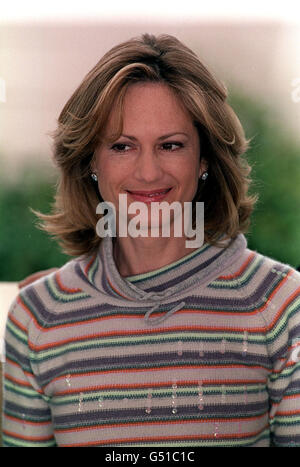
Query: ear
point(203, 167)
point(93, 163)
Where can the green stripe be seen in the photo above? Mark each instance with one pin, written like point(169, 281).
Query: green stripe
point(286, 373)
point(114, 395)
point(93, 269)
point(172, 338)
point(17, 332)
point(58, 295)
point(16, 442)
point(242, 280)
point(24, 391)
point(285, 321)
point(282, 420)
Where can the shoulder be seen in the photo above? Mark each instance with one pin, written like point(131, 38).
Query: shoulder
point(265, 265)
point(251, 263)
point(270, 287)
point(278, 285)
point(284, 271)
point(53, 293)
point(52, 303)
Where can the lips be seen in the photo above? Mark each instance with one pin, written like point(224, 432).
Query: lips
point(148, 196)
point(149, 193)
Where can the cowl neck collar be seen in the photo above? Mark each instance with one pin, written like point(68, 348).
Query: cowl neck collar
point(197, 268)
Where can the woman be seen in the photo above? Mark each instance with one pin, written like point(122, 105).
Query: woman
point(142, 340)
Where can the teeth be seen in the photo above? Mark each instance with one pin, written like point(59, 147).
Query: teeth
point(158, 193)
point(152, 194)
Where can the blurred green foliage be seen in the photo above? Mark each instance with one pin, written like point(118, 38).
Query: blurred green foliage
point(275, 229)
point(24, 248)
point(275, 160)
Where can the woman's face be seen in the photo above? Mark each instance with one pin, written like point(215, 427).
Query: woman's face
point(157, 156)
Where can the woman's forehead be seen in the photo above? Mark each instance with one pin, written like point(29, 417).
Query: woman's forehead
point(149, 105)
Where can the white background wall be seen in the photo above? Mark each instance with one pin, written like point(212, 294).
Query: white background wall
point(46, 48)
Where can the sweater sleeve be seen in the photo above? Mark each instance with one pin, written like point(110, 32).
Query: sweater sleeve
point(26, 413)
point(283, 338)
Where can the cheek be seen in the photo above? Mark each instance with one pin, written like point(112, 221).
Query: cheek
point(115, 167)
point(189, 175)
point(111, 177)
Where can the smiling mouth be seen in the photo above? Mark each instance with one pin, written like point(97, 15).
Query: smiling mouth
point(148, 196)
point(150, 193)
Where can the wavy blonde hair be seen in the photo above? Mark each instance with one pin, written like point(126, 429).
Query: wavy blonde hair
point(81, 124)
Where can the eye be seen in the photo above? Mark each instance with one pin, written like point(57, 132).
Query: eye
point(172, 146)
point(120, 147)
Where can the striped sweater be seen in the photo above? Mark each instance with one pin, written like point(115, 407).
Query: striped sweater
point(201, 352)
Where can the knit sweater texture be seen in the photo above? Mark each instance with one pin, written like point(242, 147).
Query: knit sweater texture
point(202, 352)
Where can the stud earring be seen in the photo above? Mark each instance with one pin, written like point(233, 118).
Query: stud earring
point(204, 176)
point(94, 176)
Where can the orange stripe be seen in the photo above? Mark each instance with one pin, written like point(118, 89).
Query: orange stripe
point(11, 362)
point(285, 412)
point(172, 422)
point(26, 422)
point(18, 324)
point(136, 332)
point(27, 438)
point(162, 422)
point(139, 331)
point(30, 375)
point(287, 365)
point(284, 306)
point(241, 270)
point(288, 412)
point(24, 306)
point(133, 332)
point(77, 323)
point(86, 269)
point(17, 381)
point(63, 287)
point(115, 290)
point(151, 369)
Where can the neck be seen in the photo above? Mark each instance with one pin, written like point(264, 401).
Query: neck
point(140, 255)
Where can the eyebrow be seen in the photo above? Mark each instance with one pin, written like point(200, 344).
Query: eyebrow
point(168, 135)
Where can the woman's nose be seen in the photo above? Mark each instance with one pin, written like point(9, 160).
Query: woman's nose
point(148, 166)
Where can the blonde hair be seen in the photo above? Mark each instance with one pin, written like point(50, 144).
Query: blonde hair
point(81, 124)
